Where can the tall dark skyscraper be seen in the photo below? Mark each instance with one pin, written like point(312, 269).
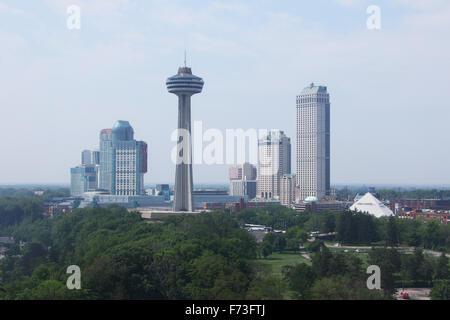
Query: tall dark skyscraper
point(184, 85)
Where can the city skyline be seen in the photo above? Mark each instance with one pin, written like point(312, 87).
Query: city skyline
point(117, 168)
point(380, 135)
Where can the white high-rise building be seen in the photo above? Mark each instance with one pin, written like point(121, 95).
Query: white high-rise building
point(313, 142)
point(274, 160)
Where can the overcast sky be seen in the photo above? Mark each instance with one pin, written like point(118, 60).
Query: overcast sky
point(388, 88)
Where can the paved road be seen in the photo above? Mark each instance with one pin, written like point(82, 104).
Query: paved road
point(431, 252)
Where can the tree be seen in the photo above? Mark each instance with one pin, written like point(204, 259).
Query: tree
point(35, 254)
point(431, 235)
point(391, 232)
point(47, 290)
point(76, 204)
point(355, 227)
point(295, 236)
point(300, 278)
point(338, 265)
point(354, 267)
point(343, 288)
point(413, 236)
point(441, 271)
point(315, 246)
point(440, 290)
point(329, 289)
point(389, 262)
point(280, 243)
point(322, 262)
point(266, 249)
point(417, 268)
point(268, 244)
point(266, 287)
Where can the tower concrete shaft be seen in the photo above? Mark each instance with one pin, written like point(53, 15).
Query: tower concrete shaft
point(183, 200)
point(184, 85)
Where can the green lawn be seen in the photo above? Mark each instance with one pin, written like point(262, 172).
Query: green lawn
point(276, 261)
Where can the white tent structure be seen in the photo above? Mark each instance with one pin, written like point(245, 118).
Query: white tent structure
point(368, 203)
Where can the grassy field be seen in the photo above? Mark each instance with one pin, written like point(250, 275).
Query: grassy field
point(274, 262)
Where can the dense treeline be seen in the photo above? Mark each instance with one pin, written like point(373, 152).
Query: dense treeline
point(122, 257)
point(347, 193)
point(48, 193)
point(408, 270)
point(331, 277)
point(354, 228)
point(15, 210)
point(209, 256)
point(342, 276)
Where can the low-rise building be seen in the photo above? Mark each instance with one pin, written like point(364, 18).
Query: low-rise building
point(312, 204)
point(427, 214)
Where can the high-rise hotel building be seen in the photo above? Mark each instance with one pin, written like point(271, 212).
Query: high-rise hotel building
point(274, 160)
point(123, 161)
point(313, 142)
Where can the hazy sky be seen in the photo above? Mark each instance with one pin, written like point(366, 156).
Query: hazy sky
point(389, 88)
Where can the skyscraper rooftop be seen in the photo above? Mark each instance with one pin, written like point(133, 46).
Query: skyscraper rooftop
point(122, 131)
point(312, 89)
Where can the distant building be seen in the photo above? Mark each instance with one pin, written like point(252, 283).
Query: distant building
point(274, 160)
point(243, 188)
point(95, 157)
point(243, 180)
point(419, 204)
point(106, 159)
point(83, 179)
point(245, 171)
point(123, 160)
point(214, 196)
point(426, 214)
point(239, 205)
point(313, 142)
point(312, 204)
point(163, 190)
point(86, 158)
point(369, 204)
point(287, 189)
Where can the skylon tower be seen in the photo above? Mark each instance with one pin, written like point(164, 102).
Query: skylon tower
point(184, 84)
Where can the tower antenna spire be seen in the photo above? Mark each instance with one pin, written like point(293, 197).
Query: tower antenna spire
point(185, 58)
